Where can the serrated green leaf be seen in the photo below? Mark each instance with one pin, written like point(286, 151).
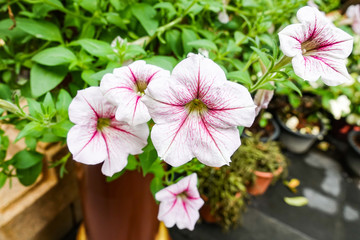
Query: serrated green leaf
point(54, 56)
point(26, 159)
point(40, 29)
point(145, 13)
point(296, 201)
point(29, 175)
point(95, 47)
point(203, 43)
point(44, 78)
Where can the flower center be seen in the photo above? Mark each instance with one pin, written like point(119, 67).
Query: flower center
point(183, 195)
point(102, 123)
point(308, 46)
point(196, 106)
point(140, 88)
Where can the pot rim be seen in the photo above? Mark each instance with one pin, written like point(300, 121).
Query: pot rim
point(269, 174)
point(309, 136)
point(351, 141)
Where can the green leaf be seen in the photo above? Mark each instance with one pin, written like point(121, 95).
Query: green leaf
point(3, 178)
point(44, 79)
point(35, 109)
point(62, 104)
point(86, 76)
point(168, 6)
point(115, 176)
point(95, 47)
point(26, 159)
point(5, 91)
point(29, 175)
point(32, 129)
point(291, 85)
point(187, 36)
point(31, 142)
point(54, 56)
point(267, 86)
point(156, 185)
point(49, 105)
point(132, 163)
point(147, 158)
point(62, 128)
point(240, 76)
point(40, 29)
point(145, 13)
point(164, 62)
point(90, 5)
point(174, 41)
point(262, 56)
point(203, 43)
point(296, 201)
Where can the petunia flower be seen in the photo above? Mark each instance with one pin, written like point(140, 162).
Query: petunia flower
point(353, 13)
point(262, 99)
point(317, 48)
point(196, 113)
point(126, 86)
point(98, 137)
point(180, 203)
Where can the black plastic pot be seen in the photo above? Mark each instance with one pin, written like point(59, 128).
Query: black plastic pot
point(353, 155)
point(297, 142)
point(274, 136)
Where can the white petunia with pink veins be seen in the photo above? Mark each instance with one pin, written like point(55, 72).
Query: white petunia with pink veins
point(126, 86)
point(318, 49)
point(196, 113)
point(180, 203)
point(98, 137)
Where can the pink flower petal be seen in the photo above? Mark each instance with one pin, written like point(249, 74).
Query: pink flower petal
point(180, 203)
point(332, 71)
point(111, 142)
point(198, 74)
point(229, 105)
point(124, 89)
point(318, 48)
point(88, 105)
point(86, 144)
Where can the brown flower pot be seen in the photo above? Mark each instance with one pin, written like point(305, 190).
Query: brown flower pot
point(123, 209)
point(205, 211)
point(262, 182)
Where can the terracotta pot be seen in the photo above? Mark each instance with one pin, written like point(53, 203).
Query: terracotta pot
point(262, 182)
point(205, 211)
point(123, 209)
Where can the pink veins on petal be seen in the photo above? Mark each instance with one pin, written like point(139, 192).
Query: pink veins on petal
point(98, 137)
point(317, 47)
point(196, 113)
point(126, 86)
point(180, 203)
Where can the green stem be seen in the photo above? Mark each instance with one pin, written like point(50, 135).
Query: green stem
point(169, 25)
point(264, 79)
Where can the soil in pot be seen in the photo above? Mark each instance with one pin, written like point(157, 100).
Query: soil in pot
point(270, 131)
